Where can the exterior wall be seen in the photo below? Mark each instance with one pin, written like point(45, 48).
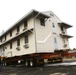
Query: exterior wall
point(14, 52)
point(56, 20)
point(45, 35)
point(42, 33)
point(30, 23)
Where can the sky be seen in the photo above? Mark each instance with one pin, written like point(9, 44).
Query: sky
point(12, 10)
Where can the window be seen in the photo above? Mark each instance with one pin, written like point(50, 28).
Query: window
point(55, 40)
point(18, 42)
point(63, 40)
point(62, 28)
point(1, 39)
point(5, 37)
point(25, 23)
point(11, 45)
point(18, 29)
point(42, 22)
point(10, 33)
point(26, 39)
point(3, 49)
point(53, 25)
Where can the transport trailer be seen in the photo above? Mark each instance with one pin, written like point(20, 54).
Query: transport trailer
point(69, 54)
point(33, 59)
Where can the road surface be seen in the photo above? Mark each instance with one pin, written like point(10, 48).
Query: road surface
point(68, 68)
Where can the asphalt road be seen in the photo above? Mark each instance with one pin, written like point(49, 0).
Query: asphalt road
point(42, 70)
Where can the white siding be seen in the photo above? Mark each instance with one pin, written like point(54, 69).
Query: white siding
point(45, 41)
point(22, 51)
point(44, 37)
point(31, 37)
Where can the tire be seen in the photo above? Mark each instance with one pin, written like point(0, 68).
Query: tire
point(41, 62)
point(4, 64)
point(32, 63)
point(27, 63)
point(53, 61)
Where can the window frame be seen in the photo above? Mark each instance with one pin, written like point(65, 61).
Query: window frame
point(26, 39)
point(62, 28)
point(10, 33)
point(64, 41)
point(18, 28)
point(10, 45)
point(5, 37)
point(1, 40)
point(42, 22)
point(25, 23)
point(53, 25)
point(18, 42)
point(55, 40)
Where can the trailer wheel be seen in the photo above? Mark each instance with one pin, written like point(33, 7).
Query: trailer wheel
point(27, 63)
point(53, 61)
point(31, 63)
point(4, 64)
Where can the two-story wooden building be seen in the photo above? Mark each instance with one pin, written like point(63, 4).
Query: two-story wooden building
point(36, 32)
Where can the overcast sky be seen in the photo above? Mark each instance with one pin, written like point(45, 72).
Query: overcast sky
point(12, 10)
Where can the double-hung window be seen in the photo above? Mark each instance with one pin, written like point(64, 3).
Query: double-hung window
point(10, 33)
point(26, 39)
point(25, 23)
point(53, 25)
point(42, 22)
point(18, 42)
point(18, 29)
point(10, 45)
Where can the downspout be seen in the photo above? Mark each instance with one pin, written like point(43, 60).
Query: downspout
point(35, 32)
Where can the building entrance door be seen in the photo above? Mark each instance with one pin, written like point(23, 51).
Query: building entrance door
point(55, 43)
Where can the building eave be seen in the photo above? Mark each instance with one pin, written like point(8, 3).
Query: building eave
point(65, 25)
point(67, 36)
point(24, 18)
